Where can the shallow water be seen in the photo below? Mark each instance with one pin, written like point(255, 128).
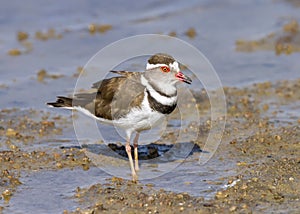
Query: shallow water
point(218, 24)
point(53, 191)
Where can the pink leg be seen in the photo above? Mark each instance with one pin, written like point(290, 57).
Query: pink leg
point(128, 150)
point(135, 145)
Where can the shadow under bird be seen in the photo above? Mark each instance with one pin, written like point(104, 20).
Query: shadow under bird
point(133, 101)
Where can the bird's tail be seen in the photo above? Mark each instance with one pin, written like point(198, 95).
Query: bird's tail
point(62, 102)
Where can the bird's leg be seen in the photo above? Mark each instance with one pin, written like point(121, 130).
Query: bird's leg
point(128, 150)
point(136, 157)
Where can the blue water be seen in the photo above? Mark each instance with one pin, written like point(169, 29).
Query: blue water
point(218, 25)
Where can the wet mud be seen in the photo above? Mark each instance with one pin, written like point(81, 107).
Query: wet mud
point(286, 41)
point(261, 136)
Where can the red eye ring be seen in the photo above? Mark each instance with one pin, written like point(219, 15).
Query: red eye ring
point(165, 69)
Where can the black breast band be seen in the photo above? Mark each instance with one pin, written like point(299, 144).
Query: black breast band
point(157, 106)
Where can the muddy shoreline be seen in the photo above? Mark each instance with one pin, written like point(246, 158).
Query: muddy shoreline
point(262, 136)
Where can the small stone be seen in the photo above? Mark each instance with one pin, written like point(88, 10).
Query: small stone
point(191, 32)
point(41, 36)
point(180, 196)
point(6, 194)
point(14, 52)
point(241, 164)
point(48, 123)
point(277, 137)
point(291, 179)
point(41, 75)
point(221, 195)
point(11, 132)
point(244, 186)
point(85, 167)
point(265, 107)
point(22, 36)
point(92, 28)
point(150, 199)
point(233, 208)
point(244, 206)
point(117, 180)
point(51, 33)
point(104, 28)
point(56, 156)
point(188, 183)
point(59, 165)
point(172, 33)
point(13, 147)
point(149, 185)
point(292, 27)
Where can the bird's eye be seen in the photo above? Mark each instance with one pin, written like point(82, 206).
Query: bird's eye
point(165, 69)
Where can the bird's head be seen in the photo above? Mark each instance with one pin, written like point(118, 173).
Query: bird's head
point(164, 68)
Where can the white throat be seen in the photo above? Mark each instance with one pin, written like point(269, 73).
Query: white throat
point(157, 96)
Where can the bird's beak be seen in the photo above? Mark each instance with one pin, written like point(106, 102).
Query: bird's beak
point(180, 76)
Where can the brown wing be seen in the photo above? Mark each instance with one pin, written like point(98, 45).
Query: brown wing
point(114, 97)
point(121, 73)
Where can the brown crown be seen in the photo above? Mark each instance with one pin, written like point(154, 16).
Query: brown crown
point(161, 58)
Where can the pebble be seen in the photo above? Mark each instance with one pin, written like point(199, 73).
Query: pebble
point(221, 195)
point(277, 137)
point(241, 164)
point(22, 35)
point(6, 194)
point(92, 28)
point(233, 208)
point(104, 28)
point(291, 179)
point(59, 165)
point(244, 186)
point(14, 52)
point(173, 34)
point(265, 107)
point(180, 196)
point(191, 33)
point(150, 199)
point(11, 132)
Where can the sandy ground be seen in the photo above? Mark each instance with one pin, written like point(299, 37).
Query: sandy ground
point(262, 135)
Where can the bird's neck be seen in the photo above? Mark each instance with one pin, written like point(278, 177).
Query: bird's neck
point(164, 89)
point(157, 97)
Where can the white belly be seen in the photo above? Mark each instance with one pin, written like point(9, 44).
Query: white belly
point(140, 119)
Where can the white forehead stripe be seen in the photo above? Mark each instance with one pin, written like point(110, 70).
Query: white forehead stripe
point(151, 66)
point(174, 66)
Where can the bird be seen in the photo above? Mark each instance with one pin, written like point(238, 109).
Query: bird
point(134, 101)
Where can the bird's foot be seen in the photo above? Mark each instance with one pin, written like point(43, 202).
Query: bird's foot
point(136, 166)
point(134, 177)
